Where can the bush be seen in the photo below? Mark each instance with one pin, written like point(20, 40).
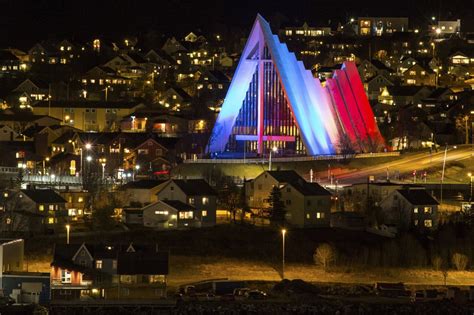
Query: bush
point(437, 263)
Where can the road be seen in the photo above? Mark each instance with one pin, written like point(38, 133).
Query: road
point(406, 164)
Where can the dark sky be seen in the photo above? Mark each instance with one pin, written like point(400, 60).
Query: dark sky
point(24, 21)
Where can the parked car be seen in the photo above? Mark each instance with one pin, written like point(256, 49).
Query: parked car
point(205, 297)
point(255, 295)
point(240, 292)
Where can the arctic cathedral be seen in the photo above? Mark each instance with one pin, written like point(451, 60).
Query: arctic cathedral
point(274, 102)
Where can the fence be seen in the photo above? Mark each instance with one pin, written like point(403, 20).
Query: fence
point(292, 159)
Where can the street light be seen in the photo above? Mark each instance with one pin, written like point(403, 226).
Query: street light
point(471, 176)
point(137, 167)
point(103, 161)
point(274, 149)
point(283, 234)
point(89, 158)
point(68, 228)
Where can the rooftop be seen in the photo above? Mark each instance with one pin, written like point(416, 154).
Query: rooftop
point(418, 196)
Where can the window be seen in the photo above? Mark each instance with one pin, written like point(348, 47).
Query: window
point(142, 151)
point(186, 215)
point(159, 152)
point(191, 201)
point(415, 222)
point(428, 223)
point(171, 188)
point(80, 199)
point(205, 200)
point(204, 213)
point(308, 216)
point(41, 207)
point(161, 212)
point(114, 264)
point(65, 276)
point(427, 210)
point(98, 264)
point(319, 215)
point(415, 210)
point(51, 207)
point(50, 220)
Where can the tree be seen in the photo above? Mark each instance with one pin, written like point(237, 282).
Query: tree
point(345, 146)
point(460, 261)
point(229, 196)
point(324, 255)
point(244, 208)
point(277, 207)
point(437, 263)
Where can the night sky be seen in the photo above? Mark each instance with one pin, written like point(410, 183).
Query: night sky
point(25, 21)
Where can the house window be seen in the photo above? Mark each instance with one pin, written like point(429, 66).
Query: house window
point(50, 220)
point(80, 199)
point(159, 152)
point(98, 264)
point(415, 222)
point(65, 276)
point(161, 212)
point(191, 201)
point(51, 207)
point(114, 264)
point(41, 207)
point(427, 210)
point(415, 210)
point(204, 213)
point(428, 223)
point(186, 215)
point(319, 215)
point(142, 151)
point(171, 188)
point(308, 216)
point(205, 200)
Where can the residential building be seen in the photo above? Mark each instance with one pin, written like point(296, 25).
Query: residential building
point(142, 192)
point(84, 271)
point(378, 26)
point(306, 204)
point(410, 208)
point(304, 32)
point(194, 192)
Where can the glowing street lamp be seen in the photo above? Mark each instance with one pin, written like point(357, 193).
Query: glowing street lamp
point(103, 161)
point(283, 234)
point(274, 149)
point(68, 228)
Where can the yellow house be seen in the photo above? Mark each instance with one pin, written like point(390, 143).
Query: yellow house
point(88, 115)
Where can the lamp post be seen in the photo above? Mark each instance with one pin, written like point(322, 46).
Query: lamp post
point(274, 149)
point(68, 228)
point(137, 167)
point(103, 161)
point(471, 176)
point(283, 234)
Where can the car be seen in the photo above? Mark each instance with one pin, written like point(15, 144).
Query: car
point(255, 295)
point(204, 297)
point(240, 293)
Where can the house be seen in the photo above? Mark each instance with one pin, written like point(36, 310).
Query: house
point(175, 98)
point(306, 204)
point(11, 63)
point(371, 68)
point(88, 115)
point(410, 208)
point(32, 210)
point(108, 271)
point(142, 192)
point(168, 214)
point(258, 189)
point(7, 133)
point(375, 85)
point(403, 95)
point(194, 192)
point(15, 282)
point(418, 75)
point(76, 204)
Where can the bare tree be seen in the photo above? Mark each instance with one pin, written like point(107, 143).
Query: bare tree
point(324, 255)
point(437, 263)
point(460, 261)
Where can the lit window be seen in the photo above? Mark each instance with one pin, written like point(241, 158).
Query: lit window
point(415, 210)
point(415, 222)
point(427, 210)
point(186, 215)
point(205, 200)
point(204, 213)
point(65, 276)
point(51, 207)
point(50, 220)
point(80, 199)
point(161, 212)
point(308, 216)
point(41, 207)
point(191, 201)
point(98, 264)
point(428, 223)
point(114, 264)
point(319, 215)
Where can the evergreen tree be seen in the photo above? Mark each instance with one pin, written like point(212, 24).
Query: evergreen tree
point(277, 207)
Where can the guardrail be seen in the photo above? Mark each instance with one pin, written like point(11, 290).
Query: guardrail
point(56, 180)
point(292, 159)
